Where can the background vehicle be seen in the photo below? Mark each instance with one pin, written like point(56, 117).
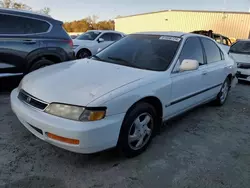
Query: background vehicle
point(125, 93)
point(240, 52)
point(29, 41)
point(91, 42)
point(225, 42)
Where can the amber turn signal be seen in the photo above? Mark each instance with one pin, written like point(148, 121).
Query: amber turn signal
point(63, 139)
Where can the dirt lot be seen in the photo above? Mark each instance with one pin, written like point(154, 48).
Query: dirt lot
point(208, 147)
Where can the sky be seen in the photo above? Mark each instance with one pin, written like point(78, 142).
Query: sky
point(108, 9)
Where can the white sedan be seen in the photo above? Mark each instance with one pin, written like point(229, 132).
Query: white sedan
point(121, 96)
point(240, 52)
point(93, 41)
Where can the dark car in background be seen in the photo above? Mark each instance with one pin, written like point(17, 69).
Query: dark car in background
point(29, 41)
point(224, 41)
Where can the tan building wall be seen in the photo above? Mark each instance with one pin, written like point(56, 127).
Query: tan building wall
point(230, 24)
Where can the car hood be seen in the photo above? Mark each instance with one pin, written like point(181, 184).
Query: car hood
point(79, 82)
point(82, 42)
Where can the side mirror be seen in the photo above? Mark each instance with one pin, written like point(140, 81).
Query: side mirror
point(100, 40)
point(189, 65)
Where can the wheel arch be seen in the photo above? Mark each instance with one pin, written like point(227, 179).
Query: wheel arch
point(153, 101)
point(56, 56)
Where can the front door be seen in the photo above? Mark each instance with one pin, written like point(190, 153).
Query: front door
point(109, 38)
point(187, 87)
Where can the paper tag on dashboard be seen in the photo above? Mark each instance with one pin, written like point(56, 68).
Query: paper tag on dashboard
point(176, 39)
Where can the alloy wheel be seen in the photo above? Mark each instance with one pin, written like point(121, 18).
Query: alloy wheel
point(140, 131)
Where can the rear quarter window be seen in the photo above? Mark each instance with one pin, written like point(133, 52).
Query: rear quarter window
point(22, 25)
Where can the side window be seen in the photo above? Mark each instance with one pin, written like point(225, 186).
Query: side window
point(212, 51)
point(107, 36)
point(116, 37)
point(21, 25)
point(192, 49)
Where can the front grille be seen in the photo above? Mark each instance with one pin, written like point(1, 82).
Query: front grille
point(32, 101)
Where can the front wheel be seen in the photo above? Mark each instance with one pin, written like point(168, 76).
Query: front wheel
point(223, 94)
point(137, 129)
point(83, 54)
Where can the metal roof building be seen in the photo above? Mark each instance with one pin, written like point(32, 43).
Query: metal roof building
point(230, 24)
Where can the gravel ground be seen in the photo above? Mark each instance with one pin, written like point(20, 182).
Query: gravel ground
point(207, 147)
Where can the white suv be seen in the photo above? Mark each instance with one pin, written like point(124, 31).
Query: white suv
point(93, 41)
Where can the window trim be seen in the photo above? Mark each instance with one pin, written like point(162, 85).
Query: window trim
point(177, 60)
point(18, 16)
point(216, 46)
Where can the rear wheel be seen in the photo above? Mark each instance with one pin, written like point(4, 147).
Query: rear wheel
point(83, 54)
point(40, 64)
point(223, 94)
point(137, 129)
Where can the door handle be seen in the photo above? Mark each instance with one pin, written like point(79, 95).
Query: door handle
point(204, 73)
point(29, 42)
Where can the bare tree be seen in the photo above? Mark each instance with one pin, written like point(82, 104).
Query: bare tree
point(45, 10)
point(6, 3)
point(22, 6)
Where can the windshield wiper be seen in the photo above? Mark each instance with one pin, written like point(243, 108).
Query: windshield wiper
point(119, 59)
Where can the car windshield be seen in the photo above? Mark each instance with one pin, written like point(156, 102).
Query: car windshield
point(241, 47)
point(150, 52)
point(90, 35)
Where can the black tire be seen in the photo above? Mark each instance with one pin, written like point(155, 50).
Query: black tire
point(219, 101)
point(40, 64)
point(128, 125)
point(83, 54)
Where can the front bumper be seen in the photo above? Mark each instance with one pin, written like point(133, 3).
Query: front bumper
point(243, 74)
point(93, 136)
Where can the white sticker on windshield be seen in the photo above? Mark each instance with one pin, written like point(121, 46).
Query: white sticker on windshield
point(176, 39)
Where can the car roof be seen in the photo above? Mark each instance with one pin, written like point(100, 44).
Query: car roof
point(27, 13)
point(105, 31)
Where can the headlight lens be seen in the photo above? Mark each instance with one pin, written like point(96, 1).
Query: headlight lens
point(75, 112)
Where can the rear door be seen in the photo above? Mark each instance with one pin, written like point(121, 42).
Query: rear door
point(188, 86)
point(18, 38)
point(214, 74)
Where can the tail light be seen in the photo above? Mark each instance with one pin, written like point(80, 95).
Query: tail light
point(70, 43)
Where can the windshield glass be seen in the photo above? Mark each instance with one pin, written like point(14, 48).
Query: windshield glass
point(90, 35)
point(241, 47)
point(150, 52)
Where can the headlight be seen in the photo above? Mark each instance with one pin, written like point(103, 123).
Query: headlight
point(75, 112)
